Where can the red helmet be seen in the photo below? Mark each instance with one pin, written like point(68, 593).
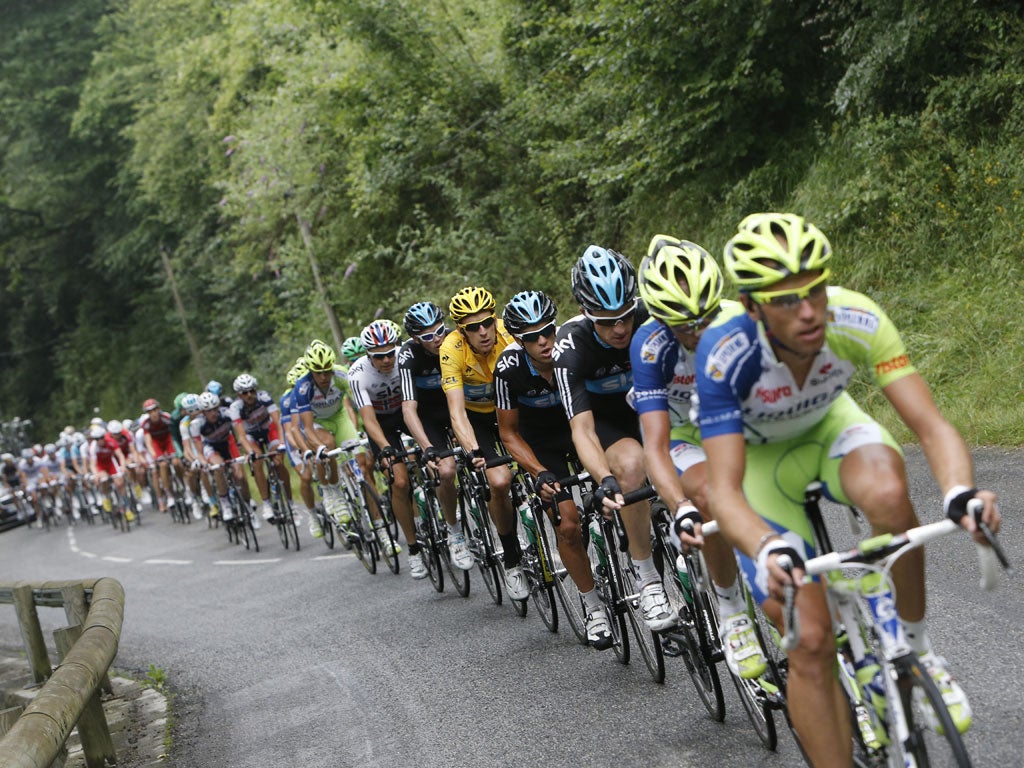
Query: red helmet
point(150, 405)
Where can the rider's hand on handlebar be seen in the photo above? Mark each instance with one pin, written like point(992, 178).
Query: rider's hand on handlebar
point(478, 459)
point(687, 527)
point(609, 495)
point(547, 484)
point(430, 457)
point(772, 578)
point(956, 506)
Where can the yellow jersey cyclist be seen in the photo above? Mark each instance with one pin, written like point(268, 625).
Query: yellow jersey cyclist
point(594, 375)
point(774, 415)
point(682, 287)
point(534, 429)
point(377, 393)
point(326, 418)
point(425, 411)
point(468, 358)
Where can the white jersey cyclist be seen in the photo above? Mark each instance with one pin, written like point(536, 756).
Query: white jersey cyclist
point(744, 386)
point(371, 387)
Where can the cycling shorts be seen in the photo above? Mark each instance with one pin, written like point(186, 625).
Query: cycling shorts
point(778, 473)
point(339, 425)
point(268, 439)
point(227, 449)
point(685, 448)
point(610, 429)
point(485, 428)
point(163, 446)
point(393, 426)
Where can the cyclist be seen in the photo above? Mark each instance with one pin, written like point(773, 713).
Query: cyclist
point(326, 418)
point(295, 445)
point(218, 389)
point(257, 424)
point(377, 393)
point(211, 431)
point(534, 429)
point(197, 483)
point(468, 358)
point(107, 460)
point(425, 412)
point(158, 437)
point(772, 380)
point(593, 371)
point(681, 286)
point(352, 349)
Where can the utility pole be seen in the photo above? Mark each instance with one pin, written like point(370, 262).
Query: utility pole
point(332, 318)
point(193, 347)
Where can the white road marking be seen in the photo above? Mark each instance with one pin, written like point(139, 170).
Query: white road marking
point(331, 557)
point(113, 559)
point(156, 561)
point(247, 562)
point(87, 554)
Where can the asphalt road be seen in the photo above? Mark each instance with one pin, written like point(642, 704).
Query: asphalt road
point(303, 659)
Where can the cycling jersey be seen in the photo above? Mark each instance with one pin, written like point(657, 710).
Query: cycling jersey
point(216, 436)
point(665, 375)
point(176, 418)
point(462, 367)
point(104, 453)
point(256, 417)
point(421, 376)
point(10, 474)
point(382, 391)
point(518, 386)
point(744, 388)
point(160, 433)
point(591, 375)
point(309, 397)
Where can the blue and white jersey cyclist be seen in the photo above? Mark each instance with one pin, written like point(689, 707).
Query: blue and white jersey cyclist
point(774, 415)
point(594, 375)
point(682, 287)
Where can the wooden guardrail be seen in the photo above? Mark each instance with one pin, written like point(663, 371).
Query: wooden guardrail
point(70, 695)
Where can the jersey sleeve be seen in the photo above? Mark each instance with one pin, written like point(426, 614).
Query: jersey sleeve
point(648, 353)
point(503, 399)
point(862, 332)
point(302, 391)
point(571, 385)
point(451, 363)
point(725, 355)
point(360, 397)
point(406, 361)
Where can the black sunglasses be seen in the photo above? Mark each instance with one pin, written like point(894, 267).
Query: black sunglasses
point(247, 392)
point(383, 355)
point(474, 327)
point(547, 332)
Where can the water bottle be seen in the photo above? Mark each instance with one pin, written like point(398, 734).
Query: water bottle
point(597, 542)
point(684, 577)
point(869, 677)
point(421, 502)
point(526, 515)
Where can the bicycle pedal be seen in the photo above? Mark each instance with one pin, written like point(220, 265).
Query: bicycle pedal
point(670, 647)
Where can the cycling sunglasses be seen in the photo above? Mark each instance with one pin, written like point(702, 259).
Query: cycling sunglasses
point(383, 355)
point(547, 332)
point(791, 299)
point(698, 325)
point(611, 322)
point(440, 333)
point(487, 322)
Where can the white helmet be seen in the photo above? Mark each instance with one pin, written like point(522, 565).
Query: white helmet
point(244, 382)
point(115, 427)
point(50, 448)
point(208, 401)
point(96, 432)
point(7, 457)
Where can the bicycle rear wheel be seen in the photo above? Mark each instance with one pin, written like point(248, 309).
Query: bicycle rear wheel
point(543, 591)
point(427, 537)
point(601, 563)
point(478, 536)
point(364, 544)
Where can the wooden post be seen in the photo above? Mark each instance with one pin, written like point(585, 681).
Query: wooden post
point(76, 609)
point(31, 632)
point(97, 746)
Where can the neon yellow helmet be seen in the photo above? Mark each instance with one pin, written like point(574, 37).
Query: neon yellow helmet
point(679, 281)
point(469, 301)
point(319, 356)
point(296, 372)
point(755, 257)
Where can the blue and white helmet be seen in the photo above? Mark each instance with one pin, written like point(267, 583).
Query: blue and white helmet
point(603, 280)
point(421, 316)
point(528, 308)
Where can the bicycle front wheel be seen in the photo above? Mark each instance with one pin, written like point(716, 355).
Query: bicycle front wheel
point(543, 591)
point(925, 746)
point(648, 641)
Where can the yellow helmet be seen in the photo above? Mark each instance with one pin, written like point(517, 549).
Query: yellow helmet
point(679, 281)
point(319, 356)
point(770, 247)
point(469, 301)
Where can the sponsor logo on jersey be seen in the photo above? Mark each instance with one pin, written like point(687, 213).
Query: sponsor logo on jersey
point(619, 382)
point(562, 345)
point(508, 361)
point(405, 356)
point(725, 352)
point(685, 380)
point(854, 318)
point(652, 346)
point(774, 394)
point(902, 361)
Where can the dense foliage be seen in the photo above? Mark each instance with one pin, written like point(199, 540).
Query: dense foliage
point(414, 147)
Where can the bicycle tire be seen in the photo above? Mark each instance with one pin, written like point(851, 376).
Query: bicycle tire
point(572, 603)
point(389, 551)
point(363, 544)
point(648, 641)
point(326, 525)
point(487, 560)
point(429, 540)
point(600, 561)
point(543, 591)
point(696, 635)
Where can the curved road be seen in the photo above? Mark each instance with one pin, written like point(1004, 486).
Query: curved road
point(303, 659)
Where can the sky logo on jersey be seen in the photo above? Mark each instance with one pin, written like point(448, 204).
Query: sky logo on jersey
point(853, 318)
point(725, 352)
point(508, 361)
point(619, 382)
point(562, 345)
